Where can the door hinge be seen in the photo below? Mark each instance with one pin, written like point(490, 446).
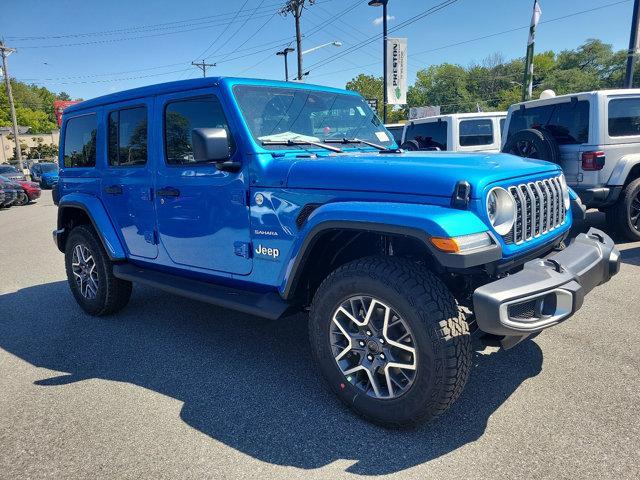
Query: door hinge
point(242, 249)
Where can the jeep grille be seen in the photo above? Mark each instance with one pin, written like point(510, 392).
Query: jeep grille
point(539, 209)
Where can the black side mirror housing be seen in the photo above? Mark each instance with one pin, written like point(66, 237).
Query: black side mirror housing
point(212, 145)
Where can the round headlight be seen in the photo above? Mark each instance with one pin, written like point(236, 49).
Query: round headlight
point(501, 209)
point(565, 193)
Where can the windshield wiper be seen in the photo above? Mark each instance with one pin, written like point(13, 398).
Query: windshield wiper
point(346, 141)
point(293, 143)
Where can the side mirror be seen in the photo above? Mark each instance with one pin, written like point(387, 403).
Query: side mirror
point(212, 145)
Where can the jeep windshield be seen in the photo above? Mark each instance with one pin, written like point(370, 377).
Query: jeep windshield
point(293, 118)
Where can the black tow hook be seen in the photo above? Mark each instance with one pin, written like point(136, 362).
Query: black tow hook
point(597, 236)
point(556, 265)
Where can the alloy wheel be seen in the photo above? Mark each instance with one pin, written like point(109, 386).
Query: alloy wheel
point(634, 212)
point(85, 272)
point(526, 149)
point(373, 347)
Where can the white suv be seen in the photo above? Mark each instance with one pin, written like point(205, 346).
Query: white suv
point(595, 137)
point(457, 132)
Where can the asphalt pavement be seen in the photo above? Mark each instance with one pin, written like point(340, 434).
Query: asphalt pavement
point(171, 388)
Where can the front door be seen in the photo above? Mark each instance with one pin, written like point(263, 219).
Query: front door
point(127, 180)
point(202, 215)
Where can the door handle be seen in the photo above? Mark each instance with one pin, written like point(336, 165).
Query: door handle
point(168, 192)
point(114, 190)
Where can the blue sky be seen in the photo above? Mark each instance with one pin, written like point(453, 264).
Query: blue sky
point(89, 48)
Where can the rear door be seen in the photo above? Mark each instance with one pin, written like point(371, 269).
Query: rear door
point(127, 182)
point(202, 212)
point(570, 122)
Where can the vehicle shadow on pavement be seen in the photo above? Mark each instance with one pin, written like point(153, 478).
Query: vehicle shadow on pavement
point(631, 256)
point(244, 381)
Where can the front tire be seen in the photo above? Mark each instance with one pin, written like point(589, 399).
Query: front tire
point(90, 274)
point(390, 340)
point(624, 216)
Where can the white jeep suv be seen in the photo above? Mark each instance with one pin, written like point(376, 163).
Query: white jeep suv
point(595, 137)
point(456, 132)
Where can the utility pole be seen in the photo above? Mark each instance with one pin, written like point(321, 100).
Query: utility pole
point(5, 52)
point(383, 4)
point(203, 66)
point(284, 53)
point(295, 8)
point(634, 37)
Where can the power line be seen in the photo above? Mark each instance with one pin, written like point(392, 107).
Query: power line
point(409, 21)
point(240, 28)
point(223, 31)
point(155, 26)
point(511, 30)
point(123, 39)
point(186, 62)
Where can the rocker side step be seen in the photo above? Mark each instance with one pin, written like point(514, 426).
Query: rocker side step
point(266, 305)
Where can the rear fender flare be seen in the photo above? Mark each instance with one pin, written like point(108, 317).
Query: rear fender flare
point(622, 169)
point(99, 218)
point(412, 220)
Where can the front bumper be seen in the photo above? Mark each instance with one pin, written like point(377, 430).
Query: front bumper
point(547, 290)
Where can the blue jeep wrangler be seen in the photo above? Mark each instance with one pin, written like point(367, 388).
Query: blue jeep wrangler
point(272, 198)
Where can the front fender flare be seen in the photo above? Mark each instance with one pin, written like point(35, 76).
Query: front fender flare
point(412, 220)
point(100, 220)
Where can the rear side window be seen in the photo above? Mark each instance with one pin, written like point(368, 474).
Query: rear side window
point(476, 132)
point(624, 117)
point(397, 133)
point(568, 122)
point(429, 135)
point(128, 137)
point(502, 120)
point(181, 117)
point(80, 141)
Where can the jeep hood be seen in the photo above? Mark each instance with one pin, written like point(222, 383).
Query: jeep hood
point(423, 173)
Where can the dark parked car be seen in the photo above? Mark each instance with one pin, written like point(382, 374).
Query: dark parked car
point(45, 173)
point(11, 172)
point(10, 192)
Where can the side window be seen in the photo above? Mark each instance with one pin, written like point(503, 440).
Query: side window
point(181, 117)
point(476, 132)
point(128, 137)
point(567, 121)
point(429, 135)
point(502, 121)
point(624, 117)
point(80, 141)
point(397, 133)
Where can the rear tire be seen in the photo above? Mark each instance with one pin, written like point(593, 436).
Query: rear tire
point(624, 217)
point(438, 333)
point(90, 274)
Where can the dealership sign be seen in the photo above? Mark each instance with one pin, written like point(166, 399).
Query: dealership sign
point(396, 71)
point(60, 105)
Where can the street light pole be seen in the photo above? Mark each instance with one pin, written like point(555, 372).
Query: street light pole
point(335, 44)
point(383, 4)
point(284, 53)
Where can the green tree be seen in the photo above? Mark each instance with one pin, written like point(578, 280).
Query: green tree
point(445, 85)
point(369, 87)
